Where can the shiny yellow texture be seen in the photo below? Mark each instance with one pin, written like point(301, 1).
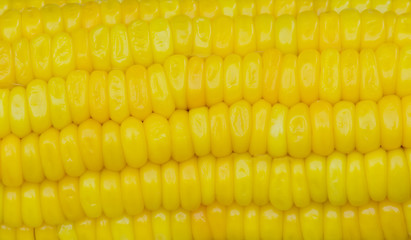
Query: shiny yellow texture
point(219, 130)
point(51, 160)
point(19, 117)
point(280, 188)
point(375, 164)
point(357, 193)
point(69, 193)
point(117, 98)
point(308, 73)
point(285, 34)
point(195, 83)
point(50, 205)
point(372, 29)
point(404, 66)
point(288, 89)
point(161, 40)
point(321, 118)
point(182, 145)
point(298, 131)
point(161, 98)
point(300, 189)
point(350, 20)
point(99, 40)
point(176, 71)
point(406, 119)
point(190, 192)
point(38, 106)
point(264, 26)
point(329, 31)
point(344, 128)
point(224, 188)
point(271, 64)
point(113, 156)
point(170, 185)
point(387, 60)
point(316, 172)
point(200, 131)
point(138, 92)
point(367, 126)
point(307, 31)
point(240, 127)
point(62, 53)
point(370, 84)
point(90, 135)
point(70, 151)
point(259, 130)
point(59, 109)
point(30, 205)
point(398, 175)
point(277, 136)
point(150, 176)
point(336, 179)
point(77, 84)
point(330, 81)
point(350, 75)
point(158, 136)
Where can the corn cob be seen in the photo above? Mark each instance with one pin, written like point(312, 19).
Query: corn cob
point(385, 220)
point(219, 130)
point(183, 83)
point(36, 49)
point(24, 233)
point(237, 179)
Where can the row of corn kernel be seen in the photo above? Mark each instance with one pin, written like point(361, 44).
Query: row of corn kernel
point(128, 10)
point(237, 179)
point(44, 232)
point(183, 83)
point(385, 220)
point(56, 53)
point(219, 130)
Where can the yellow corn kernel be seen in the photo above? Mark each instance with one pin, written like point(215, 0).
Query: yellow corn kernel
point(117, 99)
point(51, 18)
point(70, 151)
point(22, 64)
point(129, 11)
point(38, 106)
point(89, 189)
point(305, 5)
point(91, 14)
point(131, 191)
point(99, 41)
point(161, 40)
point(175, 68)
point(71, 13)
point(398, 176)
point(387, 56)
point(7, 232)
point(182, 147)
point(350, 22)
point(19, 117)
point(89, 137)
point(376, 172)
point(182, 34)
point(350, 222)
point(50, 155)
point(338, 6)
point(233, 89)
point(31, 24)
point(224, 181)
point(142, 226)
point(85, 229)
point(169, 8)
point(298, 131)
point(251, 222)
point(7, 65)
point(203, 45)
point(271, 223)
point(150, 175)
point(271, 65)
point(291, 225)
point(190, 194)
point(161, 98)
point(122, 228)
point(207, 172)
point(244, 35)
point(98, 96)
point(280, 189)
point(336, 179)
point(200, 130)
point(350, 75)
point(24, 233)
point(219, 130)
point(252, 77)
point(390, 19)
point(110, 12)
point(389, 108)
point(308, 73)
point(402, 34)
point(77, 84)
point(170, 185)
point(357, 192)
point(261, 174)
point(11, 169)
point(235, 223)
point(81, 47)
point(283, 7)
point(276, 140)
point(330, 82)
point(32, 168)
point(369, 221)
point(218, 219)
point(316, 172)
point(62, 53)
point(332, 222)
point(113, 156)
point(50, 205)
point(138, 92)
point(329, 30)
point(285, 34)
point(307, 31)
point(58, 100)
point(240, 126)
point(321, 123)
point(140, 48)
point(243, 179)
point(372, 29)
point(66, 232)
point(11, 25)
point(300, 189)
point(406, 119)
point(392, 220)
point(259, 130)
point(110, 191)
point(102, 228)
point(120, 50)
point(12, 207)
point(40, 53)
point(69, 194)
point(132, 134)
point(403, 79)
point(160, 220)
point(158, 135)
point(367, 126)
point(370, 84)
point(223, 34)
point(288, 92)
point(195, 83)
point(264, 27)
point(200, 225)
point(213, 74)
point(311, 219)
